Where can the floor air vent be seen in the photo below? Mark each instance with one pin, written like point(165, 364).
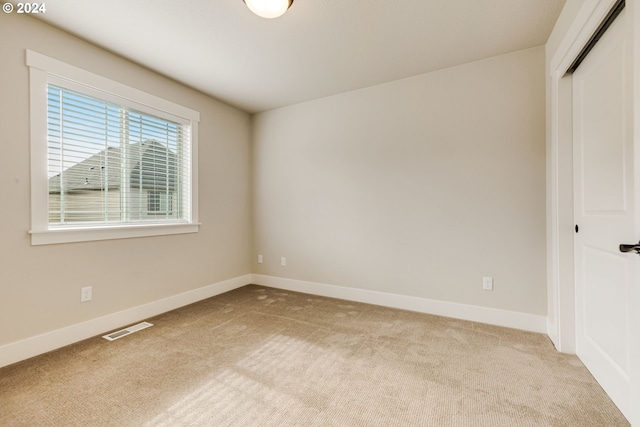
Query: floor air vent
point(124, 332)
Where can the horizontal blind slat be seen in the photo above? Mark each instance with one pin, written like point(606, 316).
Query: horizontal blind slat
point(111, 164)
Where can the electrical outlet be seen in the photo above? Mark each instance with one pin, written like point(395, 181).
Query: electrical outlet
point(283, 261)
point(259, 259)
point(487, 283)
point(85, 294)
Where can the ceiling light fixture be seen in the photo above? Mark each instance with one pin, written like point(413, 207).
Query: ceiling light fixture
point(268, 8)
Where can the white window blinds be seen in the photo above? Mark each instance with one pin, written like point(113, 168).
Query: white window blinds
point(109, 163)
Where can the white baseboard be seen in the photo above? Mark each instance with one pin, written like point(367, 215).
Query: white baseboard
point(24, 349)
point(492, 316)
point(33, 346)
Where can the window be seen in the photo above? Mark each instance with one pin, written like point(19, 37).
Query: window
point(109, 164)
point(159, 203)
point(108, 161)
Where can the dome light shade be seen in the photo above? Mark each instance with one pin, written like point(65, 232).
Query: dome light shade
point(268, 8)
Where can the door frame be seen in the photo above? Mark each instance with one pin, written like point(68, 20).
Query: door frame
point(561, 321)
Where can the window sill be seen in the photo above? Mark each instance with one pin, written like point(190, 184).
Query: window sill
point(70, 235)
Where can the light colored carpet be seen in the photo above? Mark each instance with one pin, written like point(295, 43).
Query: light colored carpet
point(258, 356)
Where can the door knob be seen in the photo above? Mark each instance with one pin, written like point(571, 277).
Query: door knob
point(630, 248)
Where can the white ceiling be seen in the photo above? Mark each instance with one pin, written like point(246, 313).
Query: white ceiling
point(318, 48)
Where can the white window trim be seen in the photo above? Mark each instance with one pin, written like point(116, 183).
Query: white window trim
point(42, 69)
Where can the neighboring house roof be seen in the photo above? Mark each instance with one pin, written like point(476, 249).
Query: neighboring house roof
point(152, 167)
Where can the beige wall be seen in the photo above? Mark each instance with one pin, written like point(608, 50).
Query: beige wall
point(417, 187)
point(40, 285)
